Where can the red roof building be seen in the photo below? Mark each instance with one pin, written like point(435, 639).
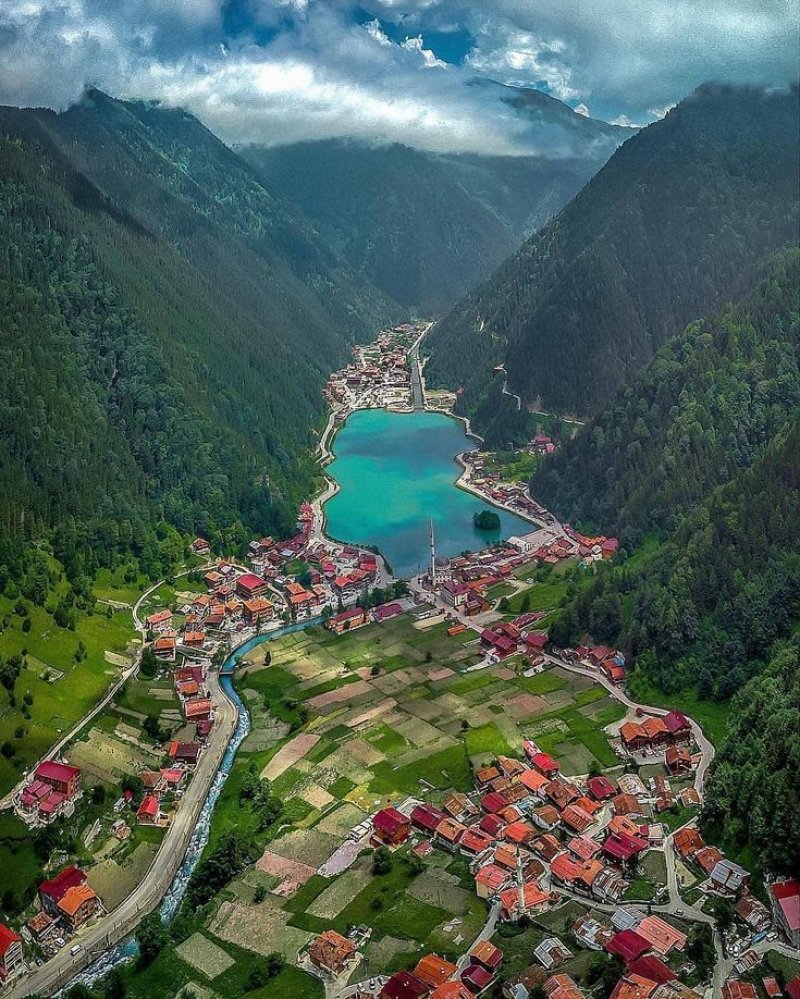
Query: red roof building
point(622, 847)
point(391, 827)
point(147, 813)
point(785, 898)
point(426, 817)
point(11, 958)
point(249, 585)
point(404, 985)
point(545, 764)
point(51, 892)
point(653, 969)
point(476, 978)
point(59, 776)
point(600, 788)
point(628, 944)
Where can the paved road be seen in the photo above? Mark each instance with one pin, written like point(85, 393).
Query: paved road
point(112, 928)
point(417, 393)
point(7, 800)
point(704, 745)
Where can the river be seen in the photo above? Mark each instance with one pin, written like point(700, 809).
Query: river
point(397, 471)
point(127, 949)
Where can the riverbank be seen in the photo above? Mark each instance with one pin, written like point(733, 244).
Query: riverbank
point(147, 896)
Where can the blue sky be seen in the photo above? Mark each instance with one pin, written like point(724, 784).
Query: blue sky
point(390, 70)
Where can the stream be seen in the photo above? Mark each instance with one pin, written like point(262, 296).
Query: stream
point(127, 949)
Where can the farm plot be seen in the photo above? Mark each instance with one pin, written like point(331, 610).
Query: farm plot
point(260, 928)
point(294, 751)
point(108, 759)
point(344, 889)
point(114, 881)
point(306, 846)
point(204, 956)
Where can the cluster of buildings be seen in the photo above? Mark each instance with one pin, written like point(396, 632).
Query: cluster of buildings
point(378, 374)
point(534, 838)
point(51, 794)
point(65, 903)
point(266, 593)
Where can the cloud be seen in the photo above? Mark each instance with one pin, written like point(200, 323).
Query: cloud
point(284, 70)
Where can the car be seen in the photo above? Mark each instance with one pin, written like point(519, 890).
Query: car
point(679, 912)
point(75, 950)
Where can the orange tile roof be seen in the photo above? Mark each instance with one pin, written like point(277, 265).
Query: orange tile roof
point(73, 898)
point(434, 970)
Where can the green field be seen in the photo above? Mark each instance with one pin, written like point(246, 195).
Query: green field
point(62, 687)
point(386, 729)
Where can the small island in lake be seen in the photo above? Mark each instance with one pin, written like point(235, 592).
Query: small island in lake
point(486, 520)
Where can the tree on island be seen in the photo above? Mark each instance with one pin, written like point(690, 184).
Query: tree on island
point(486, 520)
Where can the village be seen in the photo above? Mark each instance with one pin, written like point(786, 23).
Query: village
point(474, 810)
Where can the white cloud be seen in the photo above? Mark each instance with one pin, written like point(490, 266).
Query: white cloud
point(321, 73)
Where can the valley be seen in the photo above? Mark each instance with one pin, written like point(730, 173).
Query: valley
point(445, 692)
point(400, 463)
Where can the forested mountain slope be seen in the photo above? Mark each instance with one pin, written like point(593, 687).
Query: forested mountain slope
point(426, 227)
point(700, 412)
point(670, 229)
point(704, 610)
point(167, 327)
point(753, 791)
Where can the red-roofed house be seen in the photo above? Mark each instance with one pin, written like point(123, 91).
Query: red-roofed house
point(148, 812)
point(52, 891)
point(249, 585)
point(545, 764)
point(391, 827)
point(404, 985)
point(426, 818)
point(60, 777)
point(628, 944)
point(600, 788)
point(785, 899)
point(476, 978)
point(653, 969)
point(489, 880)
point(11, 957)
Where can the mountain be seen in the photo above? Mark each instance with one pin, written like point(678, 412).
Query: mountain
point(701, 411)
point(168, 326)
point(671, 228)
point(426, 227)
point(753, 791)
point(702, 452)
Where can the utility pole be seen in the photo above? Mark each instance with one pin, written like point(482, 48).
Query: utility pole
point(433, 558)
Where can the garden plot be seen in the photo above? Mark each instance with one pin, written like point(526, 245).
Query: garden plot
point(380, 953)
point(288, 755)
point(284, 868)
point(259, 928)
point(341, 820)
point(441, 894)
point(305, 846)
point(317, 796)
point(379, 710)
point(204, 956)
point(363, 752)
point(344, 889)
point(114, 881)
point(108, 758)
point(417, 731)
point(526, 705)
point(424, 709)
point(349, 692)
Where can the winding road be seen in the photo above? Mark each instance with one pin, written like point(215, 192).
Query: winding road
point(112, 928)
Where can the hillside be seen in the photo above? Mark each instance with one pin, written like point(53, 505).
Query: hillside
point(168, 325)
point(671, 228)
point(700, 412)
point(426, 227)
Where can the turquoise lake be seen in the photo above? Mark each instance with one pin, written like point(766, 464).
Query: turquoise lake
point(396, 472)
